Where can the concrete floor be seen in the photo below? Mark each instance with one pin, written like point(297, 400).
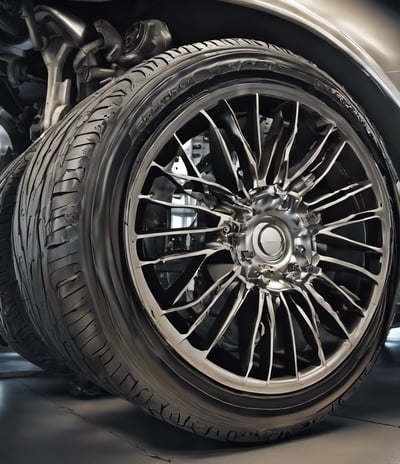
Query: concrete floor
point(40, 423)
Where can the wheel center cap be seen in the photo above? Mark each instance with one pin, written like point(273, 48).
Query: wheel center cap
point(272, 241)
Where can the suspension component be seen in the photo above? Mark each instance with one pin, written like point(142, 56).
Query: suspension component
point(56, 33)
point(67, 33)
point(143, 40)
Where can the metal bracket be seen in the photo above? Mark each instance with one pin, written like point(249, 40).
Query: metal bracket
point(58, 90)
point(68, 34)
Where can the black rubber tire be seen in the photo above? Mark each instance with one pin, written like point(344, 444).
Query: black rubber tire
point(68, 245)
point(57, 301)
point(15, 326)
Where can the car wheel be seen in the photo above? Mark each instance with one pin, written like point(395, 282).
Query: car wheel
point(234, 227)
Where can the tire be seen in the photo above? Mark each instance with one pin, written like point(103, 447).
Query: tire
point(56, 299)
point(227, 221)
point(15, 326)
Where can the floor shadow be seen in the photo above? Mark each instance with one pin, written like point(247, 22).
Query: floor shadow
point(377, 396)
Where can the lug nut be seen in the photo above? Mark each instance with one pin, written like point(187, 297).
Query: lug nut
point(247, 255)
point(314, 270)
point(311, 219)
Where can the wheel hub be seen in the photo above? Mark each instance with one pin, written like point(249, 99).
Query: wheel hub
point(275, 245)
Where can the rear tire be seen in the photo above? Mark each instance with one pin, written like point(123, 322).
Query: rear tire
point(15, 326)
point(57, 300)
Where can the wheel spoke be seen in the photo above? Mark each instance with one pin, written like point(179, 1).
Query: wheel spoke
point(235, 135)
point(175, 292)
point(290, 341)
point(282, 177)
point(221, 289)
point(355, 218)
point(227, 218)
point(250, 342)
point(341, 264)
point(341, 330)
point(344, 292)
point(270, 146)
point(339, 196)
point(204, 184)
point(225, 319)
point(252, 130)
point(310, 325)
point(206, 253)
point(177, 232)
point(319, 173)
point(310, 160)
point(190, 166)
point(346, 242)
point(270, 335)
point(216, 289)
point(281, 150)
point(225, 170)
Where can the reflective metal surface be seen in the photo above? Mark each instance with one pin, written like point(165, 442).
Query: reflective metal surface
point(245, 289)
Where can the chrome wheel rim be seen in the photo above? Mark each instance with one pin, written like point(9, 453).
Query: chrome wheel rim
point(257, 236)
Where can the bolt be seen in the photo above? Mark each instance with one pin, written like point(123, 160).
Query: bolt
point(247, 255)
point(311, 219)
point(293, 267)
point(266, 272)
point(313, 230)
point(314, 270)
point(300, 249)
point(296, 275)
